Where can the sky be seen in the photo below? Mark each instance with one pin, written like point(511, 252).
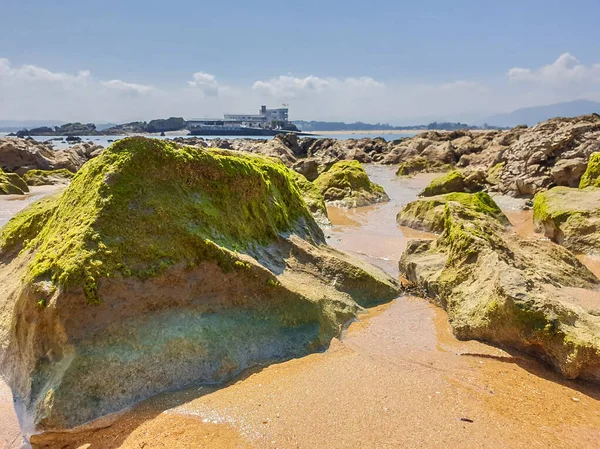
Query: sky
point(376, 61)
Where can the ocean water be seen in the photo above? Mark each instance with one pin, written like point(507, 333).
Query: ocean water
point(59, 142)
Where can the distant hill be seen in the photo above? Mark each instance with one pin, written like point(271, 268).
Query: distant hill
point(534, 115)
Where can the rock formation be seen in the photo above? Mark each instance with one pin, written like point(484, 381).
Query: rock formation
point(346, 184)
point(570, 217)
point(162, 266)
point(549, 154)
point(500, 288)
point(21, 155)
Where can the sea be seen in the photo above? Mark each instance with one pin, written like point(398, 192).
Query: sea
point(59, 141)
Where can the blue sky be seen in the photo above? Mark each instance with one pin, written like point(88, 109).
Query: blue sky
point(377, 60)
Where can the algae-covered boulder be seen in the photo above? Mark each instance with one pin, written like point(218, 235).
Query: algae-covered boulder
point(504, 289)
point(47, 177)
point(591, 177)
point(455, 181)
point(570, 217)
point(12, 184)
point(427, 214)
point(421, 165)
point(347, 184)
point(159, 267)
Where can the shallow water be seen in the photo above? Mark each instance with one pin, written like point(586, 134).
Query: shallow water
point(371, 232)
point(398, 378)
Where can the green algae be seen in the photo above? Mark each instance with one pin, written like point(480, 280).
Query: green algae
point(591, 177)
point(144, 205)
point(47, 177)
point(346, 179)
point(311, 194)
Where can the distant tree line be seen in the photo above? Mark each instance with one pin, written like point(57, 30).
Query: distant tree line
point(314, 126)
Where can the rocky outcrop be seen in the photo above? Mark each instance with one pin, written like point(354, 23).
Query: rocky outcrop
point(21, 155)
point(163, 266)
point(591, 177)
point(570, 217)
point(500, 288)
point(552, 153)
point(47, 177)
point(346, 184)
point(12, 184)
point(427, 214)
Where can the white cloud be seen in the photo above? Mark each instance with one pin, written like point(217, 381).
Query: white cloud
point(566, 69)
point(127, 88)
point(33, 73)
point(206, 83)
point(289, 86)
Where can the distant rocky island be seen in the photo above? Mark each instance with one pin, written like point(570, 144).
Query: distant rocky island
point(90, 129)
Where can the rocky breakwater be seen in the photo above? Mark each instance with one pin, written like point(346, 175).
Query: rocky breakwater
point(501, 288)
point(162, 266)
point(571, 216)
point(22, 155)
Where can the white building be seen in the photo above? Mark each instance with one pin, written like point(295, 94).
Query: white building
point(264, 117)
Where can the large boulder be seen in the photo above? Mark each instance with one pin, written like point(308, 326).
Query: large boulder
point(347, 184)
point(12, 184)
point(159, 267)
point(427, 214)
point(570, 217)
point(504, 289)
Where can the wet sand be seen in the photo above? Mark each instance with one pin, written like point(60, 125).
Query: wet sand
point(396, 379)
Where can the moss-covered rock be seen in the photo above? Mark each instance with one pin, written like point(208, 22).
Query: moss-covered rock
point(494, 173)
point(427, 214)
point(12, 184)
point(162, 266)
point(570, 217)
point(591, 177)
point(421, 165)
point(455, 181)
point(347, 184)
point(47, 177)
point(313, 198)
point(500, 288)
